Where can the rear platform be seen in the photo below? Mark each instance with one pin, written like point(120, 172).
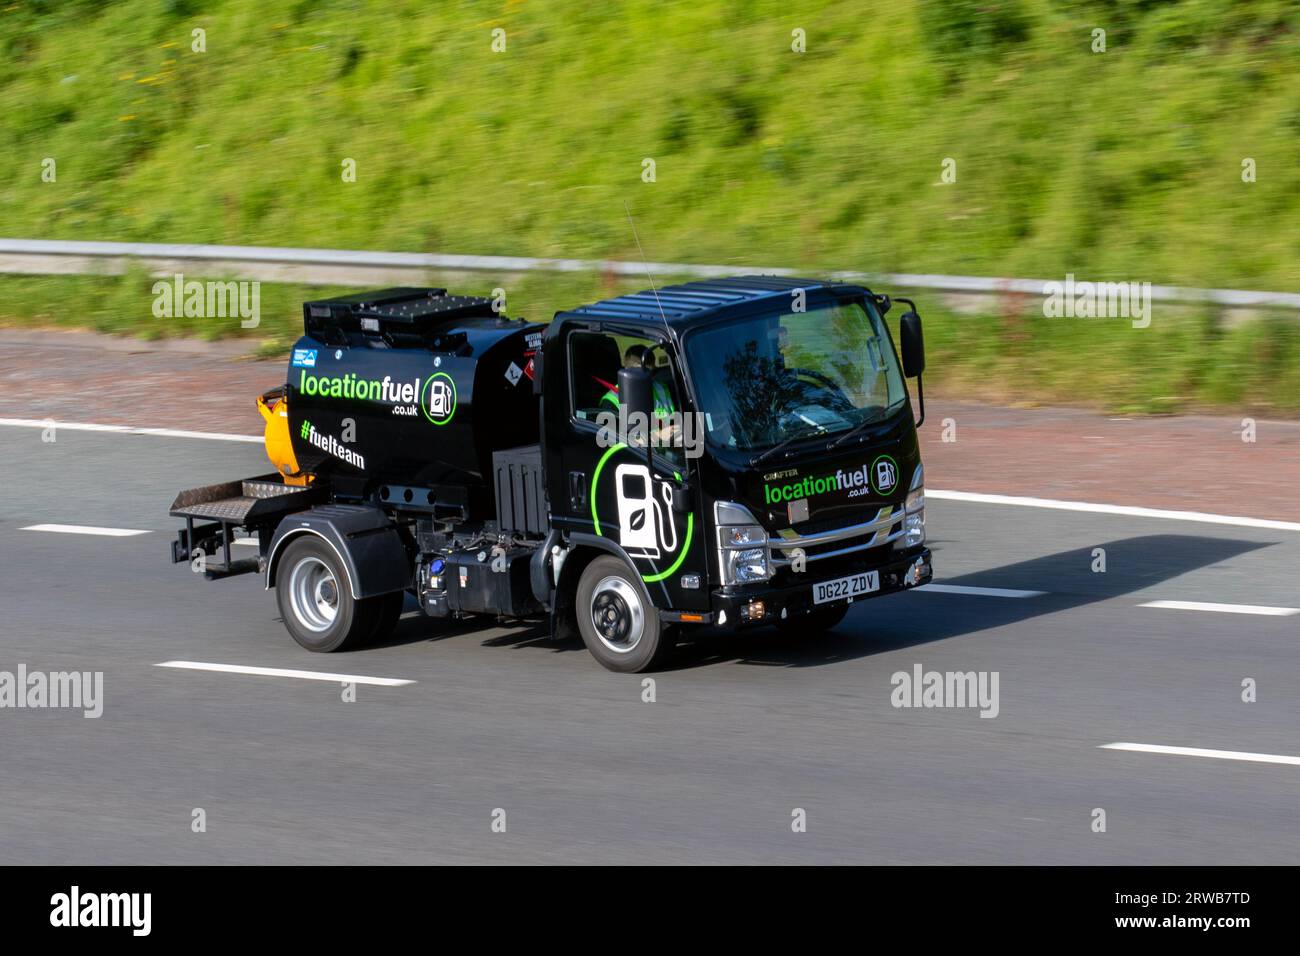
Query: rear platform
point(255, 505)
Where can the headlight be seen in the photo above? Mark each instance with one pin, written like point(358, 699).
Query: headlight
point(916, 494)
point(742, 545)
point(914, 516)
point(746, 566)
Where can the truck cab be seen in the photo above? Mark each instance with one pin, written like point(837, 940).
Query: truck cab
point(780, 481)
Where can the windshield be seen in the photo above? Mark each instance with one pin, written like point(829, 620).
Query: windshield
point(773, 378)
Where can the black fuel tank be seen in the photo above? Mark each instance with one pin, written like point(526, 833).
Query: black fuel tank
point(411, 388)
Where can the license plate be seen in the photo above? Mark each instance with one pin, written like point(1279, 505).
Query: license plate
point(850, 587)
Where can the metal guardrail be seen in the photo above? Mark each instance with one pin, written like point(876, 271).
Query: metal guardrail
point(341, 266)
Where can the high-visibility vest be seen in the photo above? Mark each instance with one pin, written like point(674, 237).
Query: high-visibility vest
point(663, 398)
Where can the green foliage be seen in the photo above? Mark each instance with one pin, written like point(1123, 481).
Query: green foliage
point(1121, 165)
point(956, 31)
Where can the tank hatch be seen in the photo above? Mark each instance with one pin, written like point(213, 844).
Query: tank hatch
point(410, 310)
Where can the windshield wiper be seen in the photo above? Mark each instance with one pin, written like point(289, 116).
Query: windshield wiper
point(855, 430)
point(806, 433)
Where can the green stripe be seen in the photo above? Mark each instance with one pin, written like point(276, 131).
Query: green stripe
point(595, 519)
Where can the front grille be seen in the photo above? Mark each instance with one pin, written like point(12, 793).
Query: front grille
point(884, 527)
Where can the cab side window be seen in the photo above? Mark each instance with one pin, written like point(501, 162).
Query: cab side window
point(594, 361)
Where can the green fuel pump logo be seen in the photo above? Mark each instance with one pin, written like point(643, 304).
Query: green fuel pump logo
point(884, 474)
point(438, 398)
point(647, 525)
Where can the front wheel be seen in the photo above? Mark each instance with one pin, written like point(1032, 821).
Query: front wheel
point(316, 603)
point(619, 625)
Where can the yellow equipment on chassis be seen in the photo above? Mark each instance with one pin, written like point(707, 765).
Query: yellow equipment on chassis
point(279, 446)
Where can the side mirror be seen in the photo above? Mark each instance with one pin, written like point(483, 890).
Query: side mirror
point(636, 391)
point(913, 344)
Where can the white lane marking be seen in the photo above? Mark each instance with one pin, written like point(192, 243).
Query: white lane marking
point(1127, 510)
point(126, 429)
point(83, 529)
point(937, 493)
point(283, 672)
point(979, 592)
point(1201, 752)
point(1223, 608)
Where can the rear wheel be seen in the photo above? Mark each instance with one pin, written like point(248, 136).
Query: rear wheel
point(316, 603)
point(390, 611)
point(618, 623)
point(815, 622)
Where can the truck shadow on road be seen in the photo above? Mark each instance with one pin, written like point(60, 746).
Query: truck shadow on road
point(415, 628)
point(900, 620)
point(909, 619)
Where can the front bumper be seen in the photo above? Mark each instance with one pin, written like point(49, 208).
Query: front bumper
point(729, 607)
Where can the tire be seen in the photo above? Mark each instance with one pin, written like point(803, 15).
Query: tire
point(390, 611)
point(815, 622)
point(630, 638)
point(315, 601)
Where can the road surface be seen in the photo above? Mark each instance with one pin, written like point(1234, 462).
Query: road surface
point(744, 732)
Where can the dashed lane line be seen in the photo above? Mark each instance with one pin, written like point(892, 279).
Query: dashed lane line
point(1130, 511)
point(84, 529)
point(127, 430)
point(286, 672)
point(1223, 608)
point(979, 592)
point(1202, 752)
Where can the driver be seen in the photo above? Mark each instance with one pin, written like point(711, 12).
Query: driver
point(641, 356)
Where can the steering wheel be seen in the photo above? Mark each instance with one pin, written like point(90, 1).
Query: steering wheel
point(817, 377)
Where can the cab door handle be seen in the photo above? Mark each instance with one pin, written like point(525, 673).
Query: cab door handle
point(577, 488)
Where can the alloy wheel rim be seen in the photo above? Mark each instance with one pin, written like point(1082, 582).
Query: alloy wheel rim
point(314, 594)
point(617, 614)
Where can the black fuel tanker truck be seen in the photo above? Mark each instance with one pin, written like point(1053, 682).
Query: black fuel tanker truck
point(728, 453)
